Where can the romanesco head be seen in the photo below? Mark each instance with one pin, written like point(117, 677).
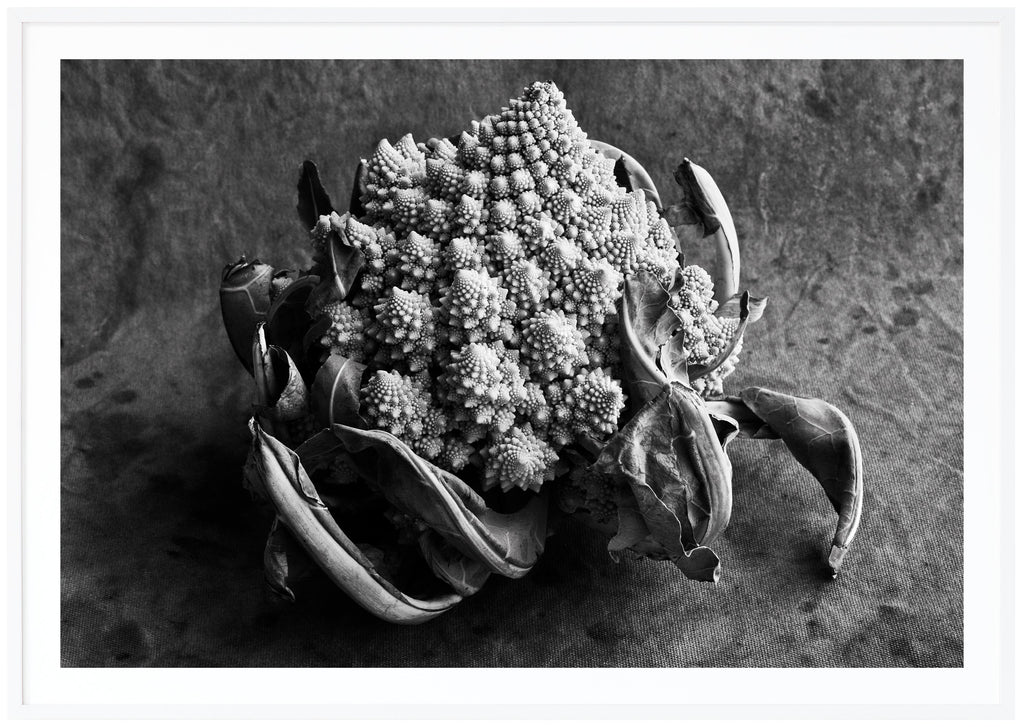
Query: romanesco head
point(494, 264)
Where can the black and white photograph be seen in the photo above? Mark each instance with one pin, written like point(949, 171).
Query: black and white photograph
point(511, 363)
point(437, 363)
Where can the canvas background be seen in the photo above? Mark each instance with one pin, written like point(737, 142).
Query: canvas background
point(845, 179)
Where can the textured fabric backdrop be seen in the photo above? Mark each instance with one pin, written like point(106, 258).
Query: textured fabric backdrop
point(845, 179)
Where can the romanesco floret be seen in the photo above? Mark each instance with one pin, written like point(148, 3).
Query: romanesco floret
point(595, 400)
point(494, 264)
point(404, 329)
point(400, 405)
point(519, 459)
point(348, 325)
point(705, 334)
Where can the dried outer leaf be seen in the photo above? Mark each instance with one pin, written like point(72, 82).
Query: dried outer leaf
point(464, 574)
point(706, 203)
point(821, 438)
point(281, 476)
point(508, 544)
point(335, 394)
point(244, 304)
point(281, 394)
point(313, 199)
point(750, 310)
point(344, 263)
point(628, 172)
point(284, 561)
point(670, 456)
point(645, 323)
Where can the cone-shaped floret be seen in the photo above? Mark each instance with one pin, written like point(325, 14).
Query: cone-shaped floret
point(547, 187)
point(378, 255)
point(467, 215)
point(533, 406)
point(560, 431)
point(565, 169)
point(499, 187)
point(528, 203)
point(394, 403)
point(462, 253)
point(472, 307)
point(319, 234)
point(442, 150)
point(359, 235)
point(445, 177)
point(566, 205)
point(387, 164)
point(520, 181)
point(659, 262)
point(712, 385)
point(434, 218)
point(476, 388)
point(592, 291)
point(474, 183)
point(502, 249)
point(698, 290)
point(528, 287)
point(603, 348)
point(406, 206)
point(594, 224)
point(404, 328)
point(484, 129)
point(419, 262)
point(406, 146)
point(538, 231)
point(435, 425)
point(455, 454)
point(621, 249)
point(552, 345)
point(596, 400)
point(519, 459)
point(560, 257)
point(629, 213)
point(471, 153)
point(704, 333)
point(347, 332)
point(604, 171)
point(503, 215)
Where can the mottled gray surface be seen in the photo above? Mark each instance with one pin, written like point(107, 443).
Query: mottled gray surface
point(846, 181)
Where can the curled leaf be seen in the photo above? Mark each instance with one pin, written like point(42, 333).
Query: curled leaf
point(705, 202)
point(670, 456)
point(281, 476)
point(335, 393)
point(464, 574)
point(244, 303)
point(281, 394)
point(288, 321)
point(508, 544)
point(313, 199)
point(820, 437)
point(823, 440)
